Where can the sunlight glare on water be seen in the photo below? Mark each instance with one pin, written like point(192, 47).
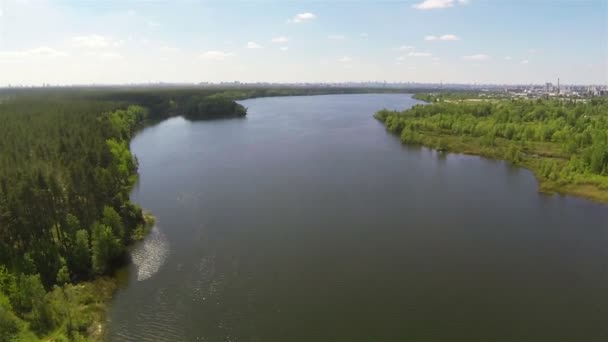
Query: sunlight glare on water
point(149, 256)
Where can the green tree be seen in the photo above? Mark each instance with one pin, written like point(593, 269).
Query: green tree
point(113, 220)
point(63, 275)
point(106, 247)
point(81, 253)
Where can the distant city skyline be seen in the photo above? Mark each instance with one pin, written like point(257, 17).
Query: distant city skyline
point(424, 41)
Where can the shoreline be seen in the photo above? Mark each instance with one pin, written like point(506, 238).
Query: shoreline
point(544, 159)
point(470, 146)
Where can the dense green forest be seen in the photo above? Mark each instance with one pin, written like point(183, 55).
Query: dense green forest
point(65, 216)
point(66, 172)
point(563, 141)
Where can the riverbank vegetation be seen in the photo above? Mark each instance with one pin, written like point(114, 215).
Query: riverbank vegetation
point(564, 142)
point(65, 216)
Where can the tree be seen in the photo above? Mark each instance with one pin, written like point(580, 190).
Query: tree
point(81, 254)
point(9, 323)
point(63, 275)
point(111, 219)
point(106, 248)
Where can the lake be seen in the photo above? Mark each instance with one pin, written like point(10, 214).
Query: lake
point(307, 221)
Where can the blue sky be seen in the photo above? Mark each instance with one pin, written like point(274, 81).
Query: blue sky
point(464, 41)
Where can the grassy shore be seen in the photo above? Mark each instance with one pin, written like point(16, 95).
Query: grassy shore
point(533, 156)
point(563, 141)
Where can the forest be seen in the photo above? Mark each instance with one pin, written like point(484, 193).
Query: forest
point(65, 216)
point(563, 141)
point(66, 172)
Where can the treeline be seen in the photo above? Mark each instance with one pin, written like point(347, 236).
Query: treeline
point(65, 216)
point(164, 102)
point(565, 142)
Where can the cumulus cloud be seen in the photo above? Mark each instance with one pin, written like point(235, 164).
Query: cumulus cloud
point(216, 55)
point(39, 52)
point(525, 61)
point(253, 45)
point(445, 37)
point(336, 37)
point(420, 54)
point(477, 57)
point(438, 4)
point(95, 41)
point(284, 48)
point(508, 58)
point(302, 18)
point(449, 37)
point(280, 40)
point(345, 59)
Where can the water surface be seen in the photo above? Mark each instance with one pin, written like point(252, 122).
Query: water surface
point(306, 221)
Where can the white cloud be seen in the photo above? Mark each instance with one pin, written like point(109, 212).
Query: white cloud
point(508, 58)
point(280, 40)
point(477, 57)
point(434, 4)
point(436, 59)
point(420, 54)
point(253, 45)
point(302, 17)
point(345, 59)
point(95, 41)
point(364, 35)
point(525, 61)
point(336, 37)
point(439, 4)
point(216, 55)
point(405, 48)
point(445, 37)
point(152, 23)
point(284, 48)
point(39, 52)
point(449, 37)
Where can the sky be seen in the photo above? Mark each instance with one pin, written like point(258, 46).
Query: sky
point(430, 41)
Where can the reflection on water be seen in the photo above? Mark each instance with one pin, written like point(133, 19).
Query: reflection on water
point(151, 254)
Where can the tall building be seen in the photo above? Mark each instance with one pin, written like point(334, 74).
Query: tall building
point(549, 87)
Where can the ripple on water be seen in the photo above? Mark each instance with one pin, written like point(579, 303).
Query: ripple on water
point(151, 254)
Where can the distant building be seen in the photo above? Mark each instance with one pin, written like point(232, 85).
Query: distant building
point(549, 87)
